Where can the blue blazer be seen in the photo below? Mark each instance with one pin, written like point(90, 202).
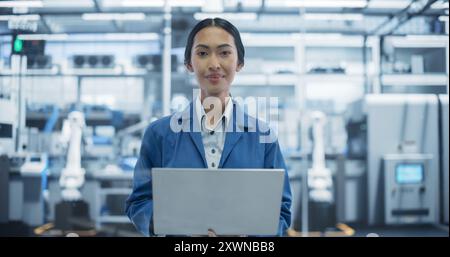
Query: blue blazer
point(182, 147)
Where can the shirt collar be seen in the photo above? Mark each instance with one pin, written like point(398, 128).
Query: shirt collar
point(201, 112)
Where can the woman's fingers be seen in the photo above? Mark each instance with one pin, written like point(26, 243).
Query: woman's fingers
point(211, 233)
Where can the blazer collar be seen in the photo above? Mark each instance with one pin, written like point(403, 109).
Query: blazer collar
point(241, 121)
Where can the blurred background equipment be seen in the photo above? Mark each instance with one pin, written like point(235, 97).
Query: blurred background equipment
point(408, 195)
point(321, 205)
point(443, 101)
point(34, 178)
point(376, 70)
point(4, 189)
point(27, 47)
point(154, 62)
point(93, 61)
point(412, 129)
point(7, 126)
point(72, 176)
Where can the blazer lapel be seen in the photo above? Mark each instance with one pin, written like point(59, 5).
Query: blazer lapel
point(190, 126)
point(234, 133)
point(197, 140)
point(231, 139)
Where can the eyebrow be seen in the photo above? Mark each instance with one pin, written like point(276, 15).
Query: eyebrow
point(207, 47)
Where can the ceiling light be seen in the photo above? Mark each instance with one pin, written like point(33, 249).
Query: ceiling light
point(252, 3)
point(21, 4)
point(31, 17)
point(386, 4)
point(318, 3)
point(440, 5)
point(443, 18)
point(227, 16)
point(186, 3)
point(426, 38)
point(112, 16)
point(155, 3)
point(67, 3)
point(142, 3)
point(46, 37)
point(131, 36)
point(333, 16)
point(213, 6)
point(92, 37)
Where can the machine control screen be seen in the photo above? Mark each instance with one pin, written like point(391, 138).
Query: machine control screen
point(409, 173)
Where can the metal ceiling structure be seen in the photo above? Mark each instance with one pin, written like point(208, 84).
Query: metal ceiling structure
point(138, 16)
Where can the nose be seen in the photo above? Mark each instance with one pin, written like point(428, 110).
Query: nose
point(213, 63)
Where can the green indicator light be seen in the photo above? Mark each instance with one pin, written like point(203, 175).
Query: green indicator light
point(18, 45)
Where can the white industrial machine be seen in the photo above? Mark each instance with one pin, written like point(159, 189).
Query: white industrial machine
point(403, 159)
point(34, 164)
point(410, 187)
point(34, 177)
point(7, 126)
point(443, 100)
point(8, 122)
point(72, 176)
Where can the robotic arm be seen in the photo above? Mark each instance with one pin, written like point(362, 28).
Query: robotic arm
point(72, 176)
point(319, 177)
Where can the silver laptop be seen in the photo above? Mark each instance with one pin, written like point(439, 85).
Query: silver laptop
point(229, 201)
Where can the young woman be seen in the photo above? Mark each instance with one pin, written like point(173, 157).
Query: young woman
point(210, 132)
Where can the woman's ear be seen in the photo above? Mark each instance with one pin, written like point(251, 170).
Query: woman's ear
point(189, 67)
point(239, 67)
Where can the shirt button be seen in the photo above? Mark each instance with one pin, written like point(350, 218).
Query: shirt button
point(211, 133)
point(213, 165)
point(213, 150)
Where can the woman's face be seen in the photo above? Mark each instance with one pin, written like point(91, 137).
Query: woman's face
point(214, 61)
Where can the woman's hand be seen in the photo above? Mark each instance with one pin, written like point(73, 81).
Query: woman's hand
point(211, 233)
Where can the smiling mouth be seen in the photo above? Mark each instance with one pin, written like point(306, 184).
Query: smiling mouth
point(214, 78)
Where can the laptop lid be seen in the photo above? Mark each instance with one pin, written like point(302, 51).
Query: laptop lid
point(229, 201)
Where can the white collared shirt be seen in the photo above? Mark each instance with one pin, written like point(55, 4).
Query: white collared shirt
point(213, 137)
point(201, 113)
